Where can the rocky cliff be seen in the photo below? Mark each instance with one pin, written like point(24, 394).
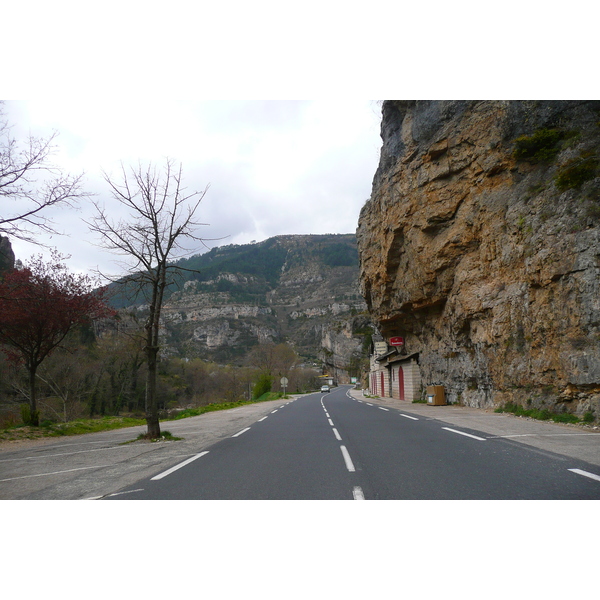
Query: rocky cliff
point(480, 245)
point(301, 289)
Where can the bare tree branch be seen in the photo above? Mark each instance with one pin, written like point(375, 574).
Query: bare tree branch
point(30, 185)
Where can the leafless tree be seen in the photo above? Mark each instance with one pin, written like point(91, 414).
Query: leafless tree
point(30, 185)
point(160, 221)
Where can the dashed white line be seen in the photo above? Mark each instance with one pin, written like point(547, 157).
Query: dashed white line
point(273, 411)
point(381, 408)
point(347, 459)
point(465, 434)
point(262, 419)
point(368, 404)
point(358, 493)
point(408, 417)
point(330, 422)
point(240, 432)
point(585, 474)
point(182, 464)
point(337, 435)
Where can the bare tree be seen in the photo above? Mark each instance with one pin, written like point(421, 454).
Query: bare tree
point(160, 221)
point(30, 185)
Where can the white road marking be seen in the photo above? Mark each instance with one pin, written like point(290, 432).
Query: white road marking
point(368, 404)
point(358, 493)
point(463, 433)
point(585, 474)
point(408, 417)
point(121, 493)
point(337, 435)
point(347, 459)
point(57, 472)
point(381, 408)
point(42, 456)
point(262, 419)
point(240, 432)
point(330, 422)
point(327, 414)
point(273, 411)
point(173, 469)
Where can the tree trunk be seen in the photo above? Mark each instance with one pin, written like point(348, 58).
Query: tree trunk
point(34, 415)
point(151, 400)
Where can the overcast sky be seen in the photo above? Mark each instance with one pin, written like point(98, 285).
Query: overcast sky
point(274, 167)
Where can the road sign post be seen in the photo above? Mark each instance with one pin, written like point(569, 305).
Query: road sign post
point(284, 382)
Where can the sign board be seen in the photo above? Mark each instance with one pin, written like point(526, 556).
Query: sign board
point(397, 341)
point(283, 381)
point(381, 348)
point(353, 379)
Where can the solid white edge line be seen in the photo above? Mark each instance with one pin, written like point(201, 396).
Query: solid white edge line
point(358, 493)
point(585, 474)
point(240, 432)
point(337, 435)
point(347, 459)
point(463, 433)
point(409, 417)
point(172, 469)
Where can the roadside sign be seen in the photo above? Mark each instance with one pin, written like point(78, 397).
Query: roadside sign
point(380, 348)
point(397, 341)
point(283, 381)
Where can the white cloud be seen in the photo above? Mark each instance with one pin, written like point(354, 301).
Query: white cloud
point(274, 167)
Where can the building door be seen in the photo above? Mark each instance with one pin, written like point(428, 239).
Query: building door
point(401, 382)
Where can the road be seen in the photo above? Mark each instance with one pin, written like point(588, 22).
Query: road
point(331, 446)
point(335, 447)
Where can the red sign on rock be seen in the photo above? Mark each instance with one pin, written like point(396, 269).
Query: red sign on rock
point(397, 341)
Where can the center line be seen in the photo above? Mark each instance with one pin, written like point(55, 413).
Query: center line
point(337, 435)
point(358, 493)
point(347, 459)
point(330, 422)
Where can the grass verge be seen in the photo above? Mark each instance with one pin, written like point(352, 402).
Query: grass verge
point(80, 426)
point(543, 414)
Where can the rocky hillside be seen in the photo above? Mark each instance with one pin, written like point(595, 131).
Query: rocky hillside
point(302, 289)
point(480, 245)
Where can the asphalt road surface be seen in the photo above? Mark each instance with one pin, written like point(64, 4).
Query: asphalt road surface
point(334, 446)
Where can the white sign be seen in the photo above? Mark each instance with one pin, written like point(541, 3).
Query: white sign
point(283, 381)
point(380, 348)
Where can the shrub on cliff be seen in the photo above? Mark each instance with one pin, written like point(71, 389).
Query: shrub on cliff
point(542, 146)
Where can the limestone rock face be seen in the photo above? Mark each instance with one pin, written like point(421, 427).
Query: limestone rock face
point(487, 261)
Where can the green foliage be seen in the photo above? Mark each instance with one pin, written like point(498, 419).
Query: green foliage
point(588, 417)
point(262, 386)
point(542, 146)
point(577, 171)
point(340, 255)
point(535, 413)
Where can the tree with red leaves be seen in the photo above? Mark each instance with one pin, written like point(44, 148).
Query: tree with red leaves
point(39, 305)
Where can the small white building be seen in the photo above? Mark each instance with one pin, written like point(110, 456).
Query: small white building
point(395, 375)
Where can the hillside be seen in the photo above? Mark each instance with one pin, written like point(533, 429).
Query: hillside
point(302, 289)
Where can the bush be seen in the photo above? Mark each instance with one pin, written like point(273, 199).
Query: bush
point(262, 386)
point(542, 146)
point(576, 172)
